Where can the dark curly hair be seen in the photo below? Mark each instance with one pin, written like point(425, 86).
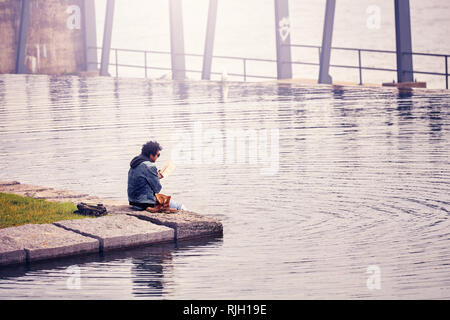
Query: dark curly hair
point(150, 148)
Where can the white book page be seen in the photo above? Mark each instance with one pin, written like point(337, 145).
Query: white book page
point(168, 168)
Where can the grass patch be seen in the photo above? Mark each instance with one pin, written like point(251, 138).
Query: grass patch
point(17, 210)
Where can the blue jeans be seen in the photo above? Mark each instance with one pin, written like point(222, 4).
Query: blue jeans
point(143, 206)
point(175, 205)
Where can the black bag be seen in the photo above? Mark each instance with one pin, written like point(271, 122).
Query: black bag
point(91, 209)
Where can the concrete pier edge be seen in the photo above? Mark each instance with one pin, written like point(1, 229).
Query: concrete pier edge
point(122, 228)
point(118, 231)
point(40, 242)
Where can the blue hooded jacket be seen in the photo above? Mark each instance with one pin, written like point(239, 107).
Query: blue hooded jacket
point(143, 180)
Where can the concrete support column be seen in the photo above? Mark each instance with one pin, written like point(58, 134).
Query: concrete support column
point(209, 40)
point(23, 32)
point(107, 34)
point(90, 35)
point(325, 53)
point(177, 40)
point(403, 41)
point(283, 39)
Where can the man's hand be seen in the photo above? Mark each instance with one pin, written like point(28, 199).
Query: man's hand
point(160, 176)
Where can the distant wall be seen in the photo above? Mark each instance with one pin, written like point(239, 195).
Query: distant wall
point(55, 40)
point(9, 34)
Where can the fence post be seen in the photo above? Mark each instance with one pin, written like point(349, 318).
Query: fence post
point(117, 64)
point(446, 72)
point(360, 71)
point(145, 63)
point(245, 69)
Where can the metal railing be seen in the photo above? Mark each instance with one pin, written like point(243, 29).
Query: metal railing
point(244, 75)
point(360, 67)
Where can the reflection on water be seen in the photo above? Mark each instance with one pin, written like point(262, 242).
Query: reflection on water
point(360, 180)
point(142, 272)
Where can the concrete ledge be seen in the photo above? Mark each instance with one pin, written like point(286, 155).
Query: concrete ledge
point(187, 224)
point(11, 252)
point(123, 227)
point(21, 189)
point(50, 194)
point(405, 85)
point(119, 231)
point(44, 241)
point(8, 183)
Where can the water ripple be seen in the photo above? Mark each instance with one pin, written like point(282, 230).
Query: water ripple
point(359, 178)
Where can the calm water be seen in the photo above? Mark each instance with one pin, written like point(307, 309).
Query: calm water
point(325, 184)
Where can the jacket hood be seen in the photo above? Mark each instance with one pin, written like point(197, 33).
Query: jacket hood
point(138, 160)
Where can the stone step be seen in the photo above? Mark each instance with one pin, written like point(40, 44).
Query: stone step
point(11, 251)
point(41, 241)
point(8, 183)
point(38, 192)
point(187, 224)
point(119, 231)
point(21, 189)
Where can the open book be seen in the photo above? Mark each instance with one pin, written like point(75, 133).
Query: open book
point(167, 169)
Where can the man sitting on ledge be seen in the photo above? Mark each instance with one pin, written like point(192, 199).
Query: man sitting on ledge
point(143, 179)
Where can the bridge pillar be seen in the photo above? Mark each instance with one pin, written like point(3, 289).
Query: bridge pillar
point(325, 53)
point(90, 36)
point(283, 39)
point(23, 33)
point(177, 40)
point(43, 37)
point(403, 41)
point(209, 40)
point(107, 34)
